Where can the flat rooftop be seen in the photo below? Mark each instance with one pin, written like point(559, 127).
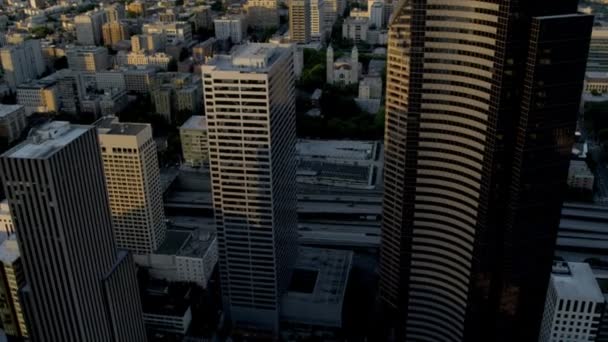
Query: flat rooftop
point(195, 122)
point(579, 283)
point(47, 139)
point(8, 109)
point(336, 149)
point(188, 243)
point(249, 57)
point(111, 126)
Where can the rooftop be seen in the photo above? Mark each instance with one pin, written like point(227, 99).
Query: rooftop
point(336, 149)
point(47, 139)
point(195, 122)
point(186, 243)
point(8, 109)
point(249, 57)
point(578, 284)
point(9, 250)
point(111, 126)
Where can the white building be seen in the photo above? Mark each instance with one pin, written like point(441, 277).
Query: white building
point(230, 27)
point(133, 178)
point(580, 176)
point(574, 304)
point(250, 96)
point(89, 27)
point(22, 63)
point(12, 122)
point(343, 70)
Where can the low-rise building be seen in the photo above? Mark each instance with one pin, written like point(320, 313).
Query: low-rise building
point(87, 58)
point(6, 220)
point(12, 122)
point(166, 309)
point(178, 31)
point(176, 92)
point(580, 176)
point(262, 13)
point(108, 103)
point(38, 97)
point(139, 79)
point(195, 144)
point(203, 50)
point(158, 59)
point(355, 29)
point(596, 82)
point(573, 306)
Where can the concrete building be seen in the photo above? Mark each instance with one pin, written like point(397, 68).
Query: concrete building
point(173, 32)
point(12, 280)
point(115, 12)
point(110, 102)
point(88, 27)
point(114, 32)
point(262, 13)
point(158, 59)
point(75, 219)
point(376, 14)
point(333, 10)
point(87, 58)
point(195, 144)
point(148, 42)
point(574, 304)
point(186, 256)
point(458, 212)
point(12, 122)
point(300, 21)
point(231, 27)
point(596, 82)
point(255, 213)
point(22, 63)
point(133, 179)
point(176, 92)
point(137, 8)
point(580, 176)
point(139, 79)
point(166, 311)
point(203, 50)
point(317, 23)
point(69, 90)
point(598, 51)
point(38, 97)
point(6, 220)
point(355, 29)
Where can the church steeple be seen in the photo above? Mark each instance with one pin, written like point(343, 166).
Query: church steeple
point(354, 65)
point(330, 65)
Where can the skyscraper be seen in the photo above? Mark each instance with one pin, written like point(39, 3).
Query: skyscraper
point(482, 101)
point(22, 62)
point(133, 178)
point(78, 286)
point(113, 32)
point(300, 21)
point(88, 27)
point(250, 107)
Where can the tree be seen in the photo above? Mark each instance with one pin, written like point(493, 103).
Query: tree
point(41, 31)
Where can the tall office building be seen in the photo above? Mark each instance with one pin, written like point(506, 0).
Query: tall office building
point(78, 286)
point(87, 58)
point(481, 108)
point(115, 12)
point(317, 23)
point(113, 32)
point(22, 62)
point(12, 280)
point(88, 27)
point(250, 107)
point(299, 21)
point(133, 178)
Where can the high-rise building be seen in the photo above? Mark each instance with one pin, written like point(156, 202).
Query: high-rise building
point(133, 178)
point(481, 109)
point(12, 280)
point(113, 32)
point(115, 12)
point(79, 287)
point(195, 145)
point(88, 27)
point(87, 58)
point(574, 304)
point(317, 22)
point(262, 13)
point(299, 21)
point(250, 106)
point(231, 27)
point(22, 62)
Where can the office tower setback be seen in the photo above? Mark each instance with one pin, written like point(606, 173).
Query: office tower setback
point(12, 280)
point(250, 106)
point(299, 21)
point(78, 286)
point(133, 178)
point(482, 101)
point(574, 304)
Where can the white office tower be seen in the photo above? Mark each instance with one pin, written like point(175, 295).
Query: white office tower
point(250, 107)
point(22, 62)
point(376, 14)
point(88, 27)
point(574, 304)
point(79, 287)
point(133, 178)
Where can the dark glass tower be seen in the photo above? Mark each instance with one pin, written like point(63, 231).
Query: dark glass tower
point(482, 101)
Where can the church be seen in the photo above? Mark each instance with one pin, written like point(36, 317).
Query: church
point(344, 70)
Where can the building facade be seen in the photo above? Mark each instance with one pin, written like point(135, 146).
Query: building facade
point(12, 122)
point(88, 27)
point(12, 279)
point(78, 287)
point(133, 178)
point(113, 32)
point(262, 13)
point(194, 139)
point(252, 161)
point(22, 62)
point(481, 101)
point(299, 21)
point(87, 58)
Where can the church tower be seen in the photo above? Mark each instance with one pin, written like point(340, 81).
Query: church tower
point(330, 65)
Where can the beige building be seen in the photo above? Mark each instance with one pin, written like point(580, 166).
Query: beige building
point(317, 24)
point(262, 13)
point(147, 42)
point(38, 97)
point(195, 144)
point(133, 178)
point(299, 21)
point(173, 32)
point(87, 58)
point(88, 27)
point(137, 7)
point(114, 32)
point(159, 59)
point(250, 110)
point(6, 220)
point(12, 122)
point(176, 92)
point(12, 279)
